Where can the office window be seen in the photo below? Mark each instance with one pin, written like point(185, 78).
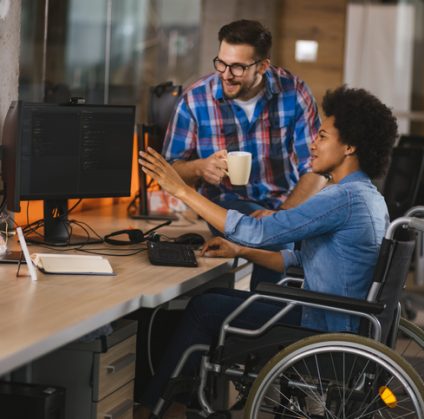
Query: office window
point(107, 51)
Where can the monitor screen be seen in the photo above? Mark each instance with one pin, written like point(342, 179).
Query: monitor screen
point(56, 152)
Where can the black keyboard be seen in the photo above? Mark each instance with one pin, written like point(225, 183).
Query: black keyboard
point(171, 254)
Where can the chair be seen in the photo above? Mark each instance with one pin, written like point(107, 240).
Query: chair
point(404, 178)
point(284, 371)
point(411, 299)
point(414, 141)
point(163, 99)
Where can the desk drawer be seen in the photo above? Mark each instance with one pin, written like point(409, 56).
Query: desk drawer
point(114, 368)
point(118, 405)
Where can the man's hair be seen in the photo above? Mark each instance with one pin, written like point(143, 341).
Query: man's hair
point(365, 122)
point(248, 32)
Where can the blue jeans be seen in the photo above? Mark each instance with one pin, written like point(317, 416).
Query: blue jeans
point(259, 273)
point(200, 324)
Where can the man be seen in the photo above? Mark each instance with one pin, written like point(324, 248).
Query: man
point(252, 106)
point(341, 227)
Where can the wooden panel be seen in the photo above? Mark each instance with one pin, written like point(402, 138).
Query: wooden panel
point(324, 22)
point(124, 354)
point(117, 405)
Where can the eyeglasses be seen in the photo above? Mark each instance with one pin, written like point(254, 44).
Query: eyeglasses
point(236, 69)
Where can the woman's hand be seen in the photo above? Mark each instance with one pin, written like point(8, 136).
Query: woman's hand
point(154, 165)
point(218, 247)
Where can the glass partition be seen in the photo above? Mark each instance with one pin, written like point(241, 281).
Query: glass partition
point(106, 51)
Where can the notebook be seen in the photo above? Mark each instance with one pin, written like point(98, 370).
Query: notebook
point(52, 263)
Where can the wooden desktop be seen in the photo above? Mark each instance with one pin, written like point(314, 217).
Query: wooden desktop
point(37, 317)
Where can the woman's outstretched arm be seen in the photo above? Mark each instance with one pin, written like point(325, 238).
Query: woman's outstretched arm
point(154, 165)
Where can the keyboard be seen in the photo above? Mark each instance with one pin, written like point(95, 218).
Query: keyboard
point(170, 254)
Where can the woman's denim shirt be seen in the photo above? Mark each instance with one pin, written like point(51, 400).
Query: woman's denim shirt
point(341, 229)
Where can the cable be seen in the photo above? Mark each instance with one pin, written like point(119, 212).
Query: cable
point(143, 249)
point(87, 228)
point(59, 249)
point(32, 228)
point(89, 232)
point(149, 338)
point(74, 206)
point(165, 223)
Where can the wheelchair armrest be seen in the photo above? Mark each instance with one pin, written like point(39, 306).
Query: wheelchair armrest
point(295, 271)
point(291, 281)
point(300, 294)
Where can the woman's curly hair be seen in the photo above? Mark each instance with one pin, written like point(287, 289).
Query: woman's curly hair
point(365, 122)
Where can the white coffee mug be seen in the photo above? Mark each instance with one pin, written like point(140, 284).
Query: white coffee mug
point(239, 164)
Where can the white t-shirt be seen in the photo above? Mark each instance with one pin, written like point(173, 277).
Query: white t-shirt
point(249, 105)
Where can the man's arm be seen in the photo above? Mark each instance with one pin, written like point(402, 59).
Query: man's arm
point(188, 170)
point(309, 184)
point(212, 169)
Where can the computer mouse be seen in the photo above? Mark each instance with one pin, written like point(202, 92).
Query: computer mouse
point(193, 239)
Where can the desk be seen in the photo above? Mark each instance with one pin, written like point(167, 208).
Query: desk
point(37, 317)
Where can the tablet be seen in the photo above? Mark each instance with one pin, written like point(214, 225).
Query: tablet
point(11, 256)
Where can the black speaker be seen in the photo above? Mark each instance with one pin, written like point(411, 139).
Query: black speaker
point(24, 401)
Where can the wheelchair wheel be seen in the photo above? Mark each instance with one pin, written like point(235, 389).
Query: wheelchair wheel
point(410, 345)
point(336, 376)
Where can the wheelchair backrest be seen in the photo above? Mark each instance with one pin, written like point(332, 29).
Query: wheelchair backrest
point(403, 181)
point(390, 275)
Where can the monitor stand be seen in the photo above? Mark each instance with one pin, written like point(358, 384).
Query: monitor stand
point(143, 212)
point(57, 228)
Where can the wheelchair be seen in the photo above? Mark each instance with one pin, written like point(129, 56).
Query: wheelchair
point(282, 371)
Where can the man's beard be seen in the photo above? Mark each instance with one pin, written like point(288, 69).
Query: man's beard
point(243, 90)
point(236, 94)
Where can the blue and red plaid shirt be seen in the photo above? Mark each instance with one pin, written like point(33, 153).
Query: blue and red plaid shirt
point(284, 123)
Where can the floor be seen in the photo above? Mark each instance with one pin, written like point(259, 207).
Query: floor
point(416, 299)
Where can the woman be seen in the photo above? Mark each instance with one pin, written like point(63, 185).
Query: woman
point(341, 227)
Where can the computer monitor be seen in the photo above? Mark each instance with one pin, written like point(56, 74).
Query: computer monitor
point(56, 152)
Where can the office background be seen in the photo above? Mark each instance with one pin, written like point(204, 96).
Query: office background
point(111, 51)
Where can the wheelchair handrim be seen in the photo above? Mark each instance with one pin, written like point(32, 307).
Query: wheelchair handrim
point(338, 343)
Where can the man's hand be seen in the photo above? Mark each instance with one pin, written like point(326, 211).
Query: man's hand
point(218, 247)
point(262, 213)
point(213, 168)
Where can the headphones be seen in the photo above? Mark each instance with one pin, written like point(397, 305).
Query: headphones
point(135, 236)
